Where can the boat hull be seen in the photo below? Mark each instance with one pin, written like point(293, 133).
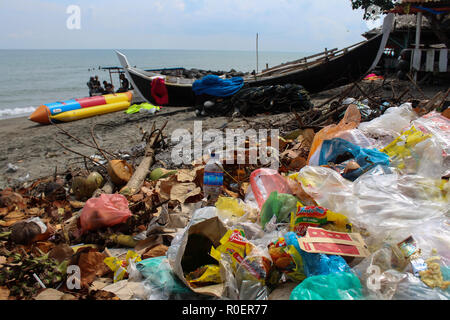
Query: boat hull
point(337, 72)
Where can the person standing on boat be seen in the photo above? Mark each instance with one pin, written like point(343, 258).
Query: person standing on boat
point(97, 85)
point(125, 84)
point(91, 86)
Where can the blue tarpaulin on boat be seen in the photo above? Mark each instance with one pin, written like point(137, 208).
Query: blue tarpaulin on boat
point(217, 87)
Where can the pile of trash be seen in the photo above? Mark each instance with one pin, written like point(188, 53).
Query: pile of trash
point(357, 210)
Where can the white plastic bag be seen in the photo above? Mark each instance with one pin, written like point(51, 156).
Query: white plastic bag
point(388, 126)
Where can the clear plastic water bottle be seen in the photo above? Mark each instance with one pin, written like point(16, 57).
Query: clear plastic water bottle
point(212, 179)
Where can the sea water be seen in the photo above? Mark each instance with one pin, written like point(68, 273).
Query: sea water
point(29, 78)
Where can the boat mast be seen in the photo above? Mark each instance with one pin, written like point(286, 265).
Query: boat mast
point(257, 58)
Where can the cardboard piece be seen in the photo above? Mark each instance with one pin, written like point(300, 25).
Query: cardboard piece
point(319, 240)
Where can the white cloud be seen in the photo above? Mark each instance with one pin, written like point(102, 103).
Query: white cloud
point(283, 25)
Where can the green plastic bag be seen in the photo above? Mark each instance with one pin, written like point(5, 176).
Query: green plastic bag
point(159, 273)
point(279, 204)
point(333, 286)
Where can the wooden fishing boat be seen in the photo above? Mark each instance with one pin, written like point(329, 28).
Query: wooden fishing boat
point(327, 70)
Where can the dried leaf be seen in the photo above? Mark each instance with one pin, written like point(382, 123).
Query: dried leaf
point(91, 264)
point(185, 175)
point(157, 251)
point(230, 193)
point(61, 252)
point(4, 293)
point(77, 204)
point(50, 294)
point(100, 283)
point(3, 212)
point(15, 215)
point(297, 163)
point(182, 191)
point(137, 197)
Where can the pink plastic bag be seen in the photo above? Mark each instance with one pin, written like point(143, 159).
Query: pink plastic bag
point(264, 182)
point(105, 211)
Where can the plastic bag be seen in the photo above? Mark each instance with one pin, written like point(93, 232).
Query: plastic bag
point(388, 126)
point(439, 126)
point(337, 149)
point(412, 288)
point(415, 152)
point(287, 259)
point(279, 205)
point(378, 200)
point(357, 137)
point(105, 211)
point(119, 267)
point(335, 286)
point(351, 120)
point(229, 208)
point(264, 181)
point(304, 217)
point(315, 264)
point(252, 262)
point(159, 276)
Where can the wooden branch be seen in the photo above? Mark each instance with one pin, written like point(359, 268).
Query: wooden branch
point(96, 144)
point(134, 185)
point(108, 188)
point(415, 85)
point(80, 141)
point(82, 155)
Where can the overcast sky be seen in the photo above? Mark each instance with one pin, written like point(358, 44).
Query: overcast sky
point(283, 25)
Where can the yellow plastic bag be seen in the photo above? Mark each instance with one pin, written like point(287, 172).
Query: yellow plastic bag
point(229, 207)
point(204, 275)
point(119, 267)
point(246, 257)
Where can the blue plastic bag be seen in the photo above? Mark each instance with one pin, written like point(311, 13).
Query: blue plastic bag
point(315, 264)
point(335, 286)
point(366, 158)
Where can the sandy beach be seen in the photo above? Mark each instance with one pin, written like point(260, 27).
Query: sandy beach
point(32, 148)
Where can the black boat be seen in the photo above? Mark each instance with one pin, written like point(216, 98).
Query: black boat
point(329, 69)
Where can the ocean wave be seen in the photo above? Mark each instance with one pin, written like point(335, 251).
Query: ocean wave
point(16, 112)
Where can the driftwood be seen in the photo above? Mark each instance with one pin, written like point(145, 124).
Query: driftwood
point(108, 188)
point(137, 179)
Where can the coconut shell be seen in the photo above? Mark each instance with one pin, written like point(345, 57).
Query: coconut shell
point(120, 172)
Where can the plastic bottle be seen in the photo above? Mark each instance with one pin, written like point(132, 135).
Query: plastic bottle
point(213, 179)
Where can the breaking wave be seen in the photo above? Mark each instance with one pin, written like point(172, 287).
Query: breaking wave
point(16, 112)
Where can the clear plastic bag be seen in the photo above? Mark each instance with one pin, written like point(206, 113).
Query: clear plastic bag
point(439, 126)
point(357, 137)
point(416, 153)
point(388, 126)
point(379, 200)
